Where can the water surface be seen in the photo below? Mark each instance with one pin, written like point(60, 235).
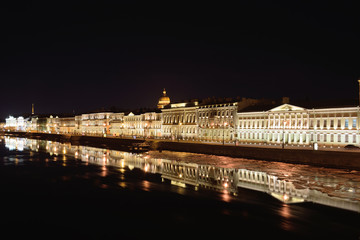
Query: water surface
point(84, 192)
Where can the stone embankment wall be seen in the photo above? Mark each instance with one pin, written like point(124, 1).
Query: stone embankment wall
point(334, 159)
point(94, 141)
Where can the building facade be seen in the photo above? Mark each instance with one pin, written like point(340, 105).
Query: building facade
point(217, 122)
point(152, 124)
point(289, 124)
point(95, 123)
point(67, 125)
point(117, 124)
point(222, 122)
point(179, 122)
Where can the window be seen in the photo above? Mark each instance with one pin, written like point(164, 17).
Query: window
point(325, 123)
point(332, 123)
point(318, 123)
point(346, 123)
point(339, 123)
point(339, 137)
point(354, 123)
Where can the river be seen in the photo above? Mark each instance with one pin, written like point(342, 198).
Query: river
point(51, 189)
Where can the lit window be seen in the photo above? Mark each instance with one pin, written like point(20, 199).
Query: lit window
point(346, 123)
point(354, 123)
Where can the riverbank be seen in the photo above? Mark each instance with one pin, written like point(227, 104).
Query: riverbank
point(332, 159)
point(121, 144)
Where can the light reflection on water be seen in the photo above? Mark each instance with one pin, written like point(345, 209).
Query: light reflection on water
point(287, 182)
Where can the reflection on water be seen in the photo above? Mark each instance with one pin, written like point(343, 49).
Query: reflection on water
point(286, 182)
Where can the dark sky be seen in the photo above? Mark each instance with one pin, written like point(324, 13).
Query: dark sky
point(66, 56)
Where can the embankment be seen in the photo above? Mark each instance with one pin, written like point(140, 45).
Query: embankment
point(333, 159)
point(94, 141)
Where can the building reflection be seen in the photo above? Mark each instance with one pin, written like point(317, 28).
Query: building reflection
point(187, 175)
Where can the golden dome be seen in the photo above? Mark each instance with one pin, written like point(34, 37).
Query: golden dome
point(163, 100)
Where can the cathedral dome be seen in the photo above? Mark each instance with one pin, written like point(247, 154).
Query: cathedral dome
point(163, 100)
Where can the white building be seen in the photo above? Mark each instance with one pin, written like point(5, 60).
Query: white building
point(15, 124)
point(133, 125)
point(217, 122)
point(117, 124)
point(95, 123)
point(67, 125)
point(179, 121)
point(152, 124)
point(289, 124)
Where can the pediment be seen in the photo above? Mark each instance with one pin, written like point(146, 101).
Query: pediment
point(287, 107)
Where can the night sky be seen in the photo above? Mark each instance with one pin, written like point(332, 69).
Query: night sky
point(80, 56)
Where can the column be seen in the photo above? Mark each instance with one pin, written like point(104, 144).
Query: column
point(307, 138)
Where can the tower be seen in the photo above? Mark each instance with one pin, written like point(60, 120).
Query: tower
point(163, 100)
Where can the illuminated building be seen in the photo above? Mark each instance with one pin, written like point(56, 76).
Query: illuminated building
point(11, 123)
point(151, 123)
point(244, 121)
point(117, 124)
point(289, 124)
point(15, 124)
point(217, 121)
point(78, 124)
point(32, 125)
point(179, 121)
point(67, 125)
point(95, 123)
point(53, 124)
point(133, 125)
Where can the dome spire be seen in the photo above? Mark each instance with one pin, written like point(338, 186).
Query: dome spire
point(163, 100)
